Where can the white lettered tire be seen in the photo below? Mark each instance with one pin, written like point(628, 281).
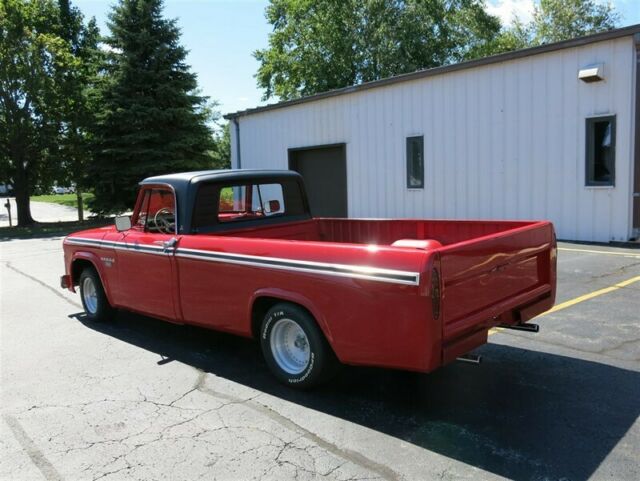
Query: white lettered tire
point(294, 347)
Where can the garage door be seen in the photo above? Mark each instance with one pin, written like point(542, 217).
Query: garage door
point(324, 170)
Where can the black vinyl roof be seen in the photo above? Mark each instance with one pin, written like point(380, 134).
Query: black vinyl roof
point(184, 185)
point(183, 178)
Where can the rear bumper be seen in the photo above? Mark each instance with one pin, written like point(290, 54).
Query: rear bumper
point(518, 315)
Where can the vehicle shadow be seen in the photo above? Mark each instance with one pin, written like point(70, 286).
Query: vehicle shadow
point(521, 414)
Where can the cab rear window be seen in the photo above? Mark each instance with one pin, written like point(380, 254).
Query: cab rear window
point(242, 202)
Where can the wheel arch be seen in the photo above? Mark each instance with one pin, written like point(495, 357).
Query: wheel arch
point(80, 261)
point(265, 299)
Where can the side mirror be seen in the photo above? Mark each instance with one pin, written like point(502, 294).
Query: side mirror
point(123, 222)
point(273, 206)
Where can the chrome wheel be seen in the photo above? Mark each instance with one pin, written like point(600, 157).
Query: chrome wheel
point(290, 346)
point(90, 295)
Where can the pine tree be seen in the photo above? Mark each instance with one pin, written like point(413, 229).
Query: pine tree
point(152, 120)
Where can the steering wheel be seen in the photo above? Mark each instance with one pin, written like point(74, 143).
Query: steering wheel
point(165, 221)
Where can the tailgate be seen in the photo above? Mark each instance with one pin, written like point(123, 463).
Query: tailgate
point(489, 276)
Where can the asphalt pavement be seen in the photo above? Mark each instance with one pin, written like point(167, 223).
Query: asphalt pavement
point(141, 399)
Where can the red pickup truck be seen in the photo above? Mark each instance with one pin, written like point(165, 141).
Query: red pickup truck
point(239, 251)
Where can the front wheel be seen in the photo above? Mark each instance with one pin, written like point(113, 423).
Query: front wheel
point(294, 347)
point(95, 303)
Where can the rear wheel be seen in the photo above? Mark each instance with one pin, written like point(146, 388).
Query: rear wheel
point(95, 303)
point(294, 347)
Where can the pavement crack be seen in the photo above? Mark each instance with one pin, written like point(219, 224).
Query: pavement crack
point(196, 386)
point(354, 457)
point(619, 270)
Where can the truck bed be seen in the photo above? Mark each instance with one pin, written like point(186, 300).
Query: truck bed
point(491, 272)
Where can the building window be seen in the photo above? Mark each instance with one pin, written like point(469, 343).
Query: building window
point(415, 162)
point(601, 151)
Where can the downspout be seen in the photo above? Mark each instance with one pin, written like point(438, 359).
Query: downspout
point(635, 200)
point(237, 124)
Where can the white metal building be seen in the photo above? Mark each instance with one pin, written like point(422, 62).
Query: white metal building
point(550, 132)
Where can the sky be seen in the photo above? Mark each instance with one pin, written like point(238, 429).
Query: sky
point(221, 36)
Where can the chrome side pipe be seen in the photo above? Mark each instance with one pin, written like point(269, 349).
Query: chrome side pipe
point(521, 327)
point(470, 359)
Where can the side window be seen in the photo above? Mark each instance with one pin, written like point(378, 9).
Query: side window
point(601, 151)
point(157, 212)
point(415, 162)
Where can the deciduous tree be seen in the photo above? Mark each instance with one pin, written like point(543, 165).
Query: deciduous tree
point(554, 21)
point(320, 45)
point(33, 57)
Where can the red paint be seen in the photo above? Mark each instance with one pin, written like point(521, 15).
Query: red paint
point(491, 272)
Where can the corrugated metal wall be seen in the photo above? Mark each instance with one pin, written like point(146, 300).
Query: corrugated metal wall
point(502, 141)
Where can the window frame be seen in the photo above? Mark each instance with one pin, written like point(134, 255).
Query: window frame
point(409, 161)
point(590, 150)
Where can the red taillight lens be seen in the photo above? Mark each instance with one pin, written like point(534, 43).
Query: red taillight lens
point(435, 293)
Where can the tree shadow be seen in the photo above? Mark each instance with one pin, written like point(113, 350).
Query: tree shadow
point(521, 414)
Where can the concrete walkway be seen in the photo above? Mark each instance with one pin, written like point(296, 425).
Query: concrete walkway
point(40, 211)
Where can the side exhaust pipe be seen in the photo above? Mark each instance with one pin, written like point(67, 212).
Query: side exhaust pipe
point(470, 359)
point(521, 327)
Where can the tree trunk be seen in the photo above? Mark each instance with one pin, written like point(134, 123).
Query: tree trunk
point(80, 205)
point(23, 201)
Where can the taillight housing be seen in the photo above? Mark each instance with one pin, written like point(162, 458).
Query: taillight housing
point(435, 293)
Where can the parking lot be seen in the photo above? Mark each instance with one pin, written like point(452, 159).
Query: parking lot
point(142, 399)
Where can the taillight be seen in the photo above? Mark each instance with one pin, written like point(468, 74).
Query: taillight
point(435, 293)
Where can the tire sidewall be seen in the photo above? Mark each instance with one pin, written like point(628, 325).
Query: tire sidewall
point(313, 371)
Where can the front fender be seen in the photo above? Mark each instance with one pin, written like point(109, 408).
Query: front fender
point(295, 298)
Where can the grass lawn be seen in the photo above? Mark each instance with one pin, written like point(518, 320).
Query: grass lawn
point(62, 199)
point(50, 229)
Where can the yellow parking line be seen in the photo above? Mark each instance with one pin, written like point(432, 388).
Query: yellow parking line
point(590, 251)
point(585, 297)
